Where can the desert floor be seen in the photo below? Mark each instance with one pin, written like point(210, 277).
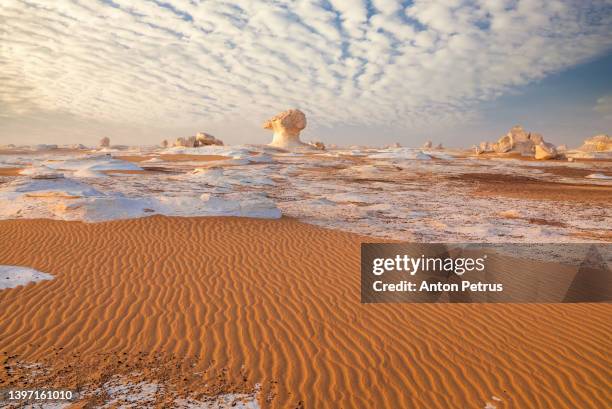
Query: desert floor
point(271, 309)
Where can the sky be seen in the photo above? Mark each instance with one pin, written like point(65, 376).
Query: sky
point(368, 72)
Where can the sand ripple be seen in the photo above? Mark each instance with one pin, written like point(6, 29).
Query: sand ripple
point(278, 301)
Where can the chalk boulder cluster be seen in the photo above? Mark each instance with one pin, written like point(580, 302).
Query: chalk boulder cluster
point(519, 141)
point(597, 143)
point(200, 139)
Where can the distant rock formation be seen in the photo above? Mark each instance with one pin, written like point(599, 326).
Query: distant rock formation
point(395, 145)
point(204, 139)
point(180, 142)
point(317, 145)
point(483, 147)
point(428, 145)
point(597, 143)
point(200, 139)
point(519, 141)
point(164, 143)
point(104, 142)
point(545, 151)
point(440, 146)
point(286, 127)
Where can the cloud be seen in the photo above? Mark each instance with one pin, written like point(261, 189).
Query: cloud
point(604, 106)
point(149, 63)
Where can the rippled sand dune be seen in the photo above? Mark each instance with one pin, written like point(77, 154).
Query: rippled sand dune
point(276, 303)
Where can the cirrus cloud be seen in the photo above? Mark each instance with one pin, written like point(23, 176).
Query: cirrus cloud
point(345, 63)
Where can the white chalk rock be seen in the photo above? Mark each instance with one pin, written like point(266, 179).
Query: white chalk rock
point(205, 139)
point(317, 145)
point(545, 151)
point(287, 127)
point(597, 143)
point(536, 138)
point(503, 145)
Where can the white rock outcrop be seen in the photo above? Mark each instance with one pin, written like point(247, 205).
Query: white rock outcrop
point(428, 145)
point(545, 151)
point(317, 145)
point(200, 139)
point(519, 141)
point(287, 127)
point(204, 139)
point(182, 142)
point(483, 147)
point(597, 143)
point(104, 142)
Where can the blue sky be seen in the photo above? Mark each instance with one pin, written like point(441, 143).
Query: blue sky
point(364, 72)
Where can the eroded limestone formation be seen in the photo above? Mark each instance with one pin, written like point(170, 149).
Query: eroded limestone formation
point(519, 141)
point(287, 127)
point(545, 151)
point(200, 139)
point(104, 142)
point(317, 145)
point(597, 143)
point(204, 139)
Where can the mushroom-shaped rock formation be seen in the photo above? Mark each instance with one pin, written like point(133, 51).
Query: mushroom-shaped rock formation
point(164, 143)
point(104, 142)
point(597, 143)
point(427, 145)
point(287, 127)
point(545, 151)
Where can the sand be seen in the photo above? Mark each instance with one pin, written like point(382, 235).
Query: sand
point(521, 187)
point(223, 304)
point(10, 171)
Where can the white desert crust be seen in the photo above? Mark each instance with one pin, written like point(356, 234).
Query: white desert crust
point(14, 276)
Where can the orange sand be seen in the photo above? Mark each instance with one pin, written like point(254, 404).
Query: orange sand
point(521, 187)
point(277, 302)
point(10, 171)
